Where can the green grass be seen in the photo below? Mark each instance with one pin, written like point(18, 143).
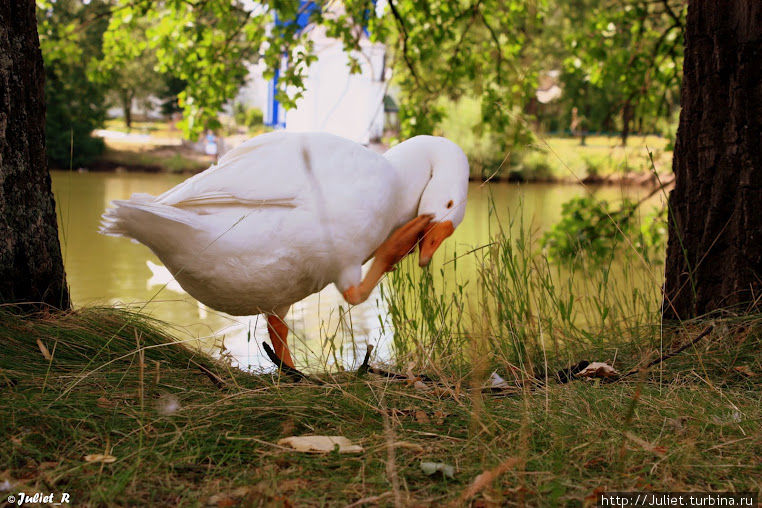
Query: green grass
point(170, 159)
point(158, 128)
point(185, 429)
point(551, 158)
point(115, 383)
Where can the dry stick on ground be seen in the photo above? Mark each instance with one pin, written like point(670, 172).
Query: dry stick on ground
point(562, 376)
point(484, 480)
point(667, 356)
point(217, 380)
point(389, 439)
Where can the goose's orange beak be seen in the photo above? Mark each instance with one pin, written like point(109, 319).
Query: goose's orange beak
point(433, 236)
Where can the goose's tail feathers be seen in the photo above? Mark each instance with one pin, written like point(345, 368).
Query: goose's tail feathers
point(140, 215)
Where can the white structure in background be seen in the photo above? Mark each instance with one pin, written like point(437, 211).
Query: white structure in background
point(335, 101)
point(548, 88)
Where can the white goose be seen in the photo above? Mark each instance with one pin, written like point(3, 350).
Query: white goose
point(285, 214)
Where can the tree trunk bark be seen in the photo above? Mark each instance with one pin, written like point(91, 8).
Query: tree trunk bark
point(127, 108)
point(31, 267)
point(714, 254)
point(626, 119)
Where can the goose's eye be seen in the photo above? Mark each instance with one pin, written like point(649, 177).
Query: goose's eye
point(449, 204)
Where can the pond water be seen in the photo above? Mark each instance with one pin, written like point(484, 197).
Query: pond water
point(104, 270)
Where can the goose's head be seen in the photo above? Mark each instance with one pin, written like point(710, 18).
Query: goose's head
point(442, 167)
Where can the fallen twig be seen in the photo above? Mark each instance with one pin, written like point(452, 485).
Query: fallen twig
point(217, 380)
point(667, 356)
point(372, 499)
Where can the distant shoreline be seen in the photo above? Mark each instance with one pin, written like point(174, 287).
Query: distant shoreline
point(630, 178)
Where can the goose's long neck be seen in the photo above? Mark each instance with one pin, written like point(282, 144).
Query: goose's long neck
point(414, 163)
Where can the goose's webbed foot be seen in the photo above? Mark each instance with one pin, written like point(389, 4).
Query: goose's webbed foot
point(287, 370)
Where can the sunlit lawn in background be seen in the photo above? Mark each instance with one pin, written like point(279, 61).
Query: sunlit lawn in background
point(547, 158)
point(157, 128)
point(550, 156)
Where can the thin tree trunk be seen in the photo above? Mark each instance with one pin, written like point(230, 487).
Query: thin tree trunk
point(626, 119)
point(714, 255)
point(127, 108)
point(31, 267)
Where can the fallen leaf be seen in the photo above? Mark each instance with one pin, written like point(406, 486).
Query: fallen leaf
point(430, 468)
point(410, 446)
point(167, 404)
point(733, 417)
point(598, 370)
point(496, 381)
point(677, 423)
point(100, 457)
point(658, 450)
point(419, 385)
point(227, 499)
point(44, 350)
point(422, 417)
point(594, 462)
point(104, 403)
point(440, 416)
point(287, 426)
point(322, 444)
point(745, 370)
point(487, 477)
point(592, 498)
point(412, 378)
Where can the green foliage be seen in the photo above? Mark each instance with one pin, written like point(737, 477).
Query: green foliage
point(208, 45)
point(461, 122)
point(128, 68)
point(593, 229)
point(619, 58)
point(168, 92)
point(588, 227)
point(75, 104)
point(247, 117)
point(624, 59)
point(452, 50)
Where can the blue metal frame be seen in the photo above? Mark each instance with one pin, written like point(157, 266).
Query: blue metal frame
point(273, 116)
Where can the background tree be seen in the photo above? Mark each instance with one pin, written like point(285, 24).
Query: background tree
point(31, 268)
point(70, 36)
point(623, 59)
point(714, 255)
point(207, 46)
point(128, 70)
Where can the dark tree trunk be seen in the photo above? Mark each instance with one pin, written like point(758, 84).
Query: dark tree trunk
point(31, 268)
point(626, 119)
point(127, 108)
point(714, 256)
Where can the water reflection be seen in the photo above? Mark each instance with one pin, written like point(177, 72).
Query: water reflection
point(105, 270)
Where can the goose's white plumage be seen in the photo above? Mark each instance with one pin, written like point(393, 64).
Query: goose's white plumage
point(285, 214)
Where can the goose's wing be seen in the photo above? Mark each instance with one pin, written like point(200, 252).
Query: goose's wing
point(259, 172)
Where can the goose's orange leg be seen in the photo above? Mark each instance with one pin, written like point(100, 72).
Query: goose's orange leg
point(278, 337)
point(399, 244)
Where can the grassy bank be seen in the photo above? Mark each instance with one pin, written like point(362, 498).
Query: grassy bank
point(547, 159)
point(553, 158)
point(104, 405)
point(151, 159)
point(183, 429)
